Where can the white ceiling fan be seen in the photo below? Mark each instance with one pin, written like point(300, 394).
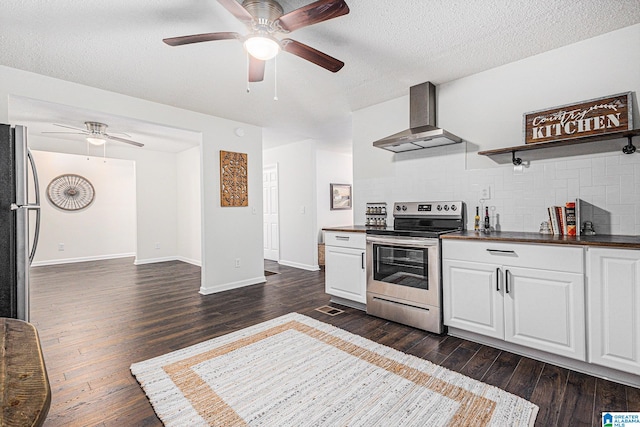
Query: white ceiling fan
point(96, 134)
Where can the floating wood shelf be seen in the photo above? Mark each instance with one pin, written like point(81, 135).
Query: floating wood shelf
point(627, 149)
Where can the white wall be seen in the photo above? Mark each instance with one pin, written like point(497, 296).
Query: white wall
point(297, 197)
point(228, 233)
point(189, 206)
point(486, 110)
point(156, 189)
point(331, 168)
point(305, 173)
point(104, 229)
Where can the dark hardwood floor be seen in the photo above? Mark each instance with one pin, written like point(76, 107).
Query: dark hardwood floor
point(96, 318)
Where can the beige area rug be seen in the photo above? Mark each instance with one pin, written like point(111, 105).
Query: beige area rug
point(297, 371)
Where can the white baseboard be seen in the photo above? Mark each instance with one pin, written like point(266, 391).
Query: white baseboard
point(155, 260)
point(189, 261)
point(232, 285)
point(80, 259)
point(299, 265)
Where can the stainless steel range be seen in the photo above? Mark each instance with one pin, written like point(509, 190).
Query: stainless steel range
point(404, 282)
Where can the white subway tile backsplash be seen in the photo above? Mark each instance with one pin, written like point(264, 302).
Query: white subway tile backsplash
point(608, 183)
point(598, 167)
point(585, 176)
point(613, 195)
point(567, 173)
point(579, 163)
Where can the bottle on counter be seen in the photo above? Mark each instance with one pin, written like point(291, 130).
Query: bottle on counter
point(476, 223)
point(487, 224)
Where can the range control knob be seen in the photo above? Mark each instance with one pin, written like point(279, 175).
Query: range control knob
point(446, 207)
point(404, 208)
point(454, 207)
point(398, 207)
point(439, 207)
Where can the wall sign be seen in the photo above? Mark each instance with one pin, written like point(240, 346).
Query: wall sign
point(593, 117)
point(233, 179)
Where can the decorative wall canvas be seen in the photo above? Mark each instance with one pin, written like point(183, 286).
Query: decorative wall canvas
point(233, 179)
point(340, 196)
point(70, 192)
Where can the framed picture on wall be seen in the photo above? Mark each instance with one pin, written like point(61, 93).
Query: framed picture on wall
point(340, 196)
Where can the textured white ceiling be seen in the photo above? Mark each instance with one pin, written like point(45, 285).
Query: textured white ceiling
point(387, 46)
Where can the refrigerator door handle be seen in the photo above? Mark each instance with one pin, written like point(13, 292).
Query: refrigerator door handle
point(35, 207)
point(36, 181)
point(36, 234)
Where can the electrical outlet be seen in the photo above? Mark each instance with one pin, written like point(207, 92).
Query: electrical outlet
point(237, 262)
point(485, 193)
point(61, 246)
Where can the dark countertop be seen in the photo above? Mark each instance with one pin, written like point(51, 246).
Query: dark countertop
point(353, 228)
point(614, 241)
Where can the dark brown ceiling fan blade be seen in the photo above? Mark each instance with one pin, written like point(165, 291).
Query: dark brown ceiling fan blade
point(310, 54)
point(256, 69)
point(237, 10)
point(198, 38)
point(126, 141)
point(313, 13)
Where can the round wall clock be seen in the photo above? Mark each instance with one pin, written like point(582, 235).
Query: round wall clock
point(70, 192)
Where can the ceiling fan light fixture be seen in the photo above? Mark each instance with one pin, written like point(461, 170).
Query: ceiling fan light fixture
point(95, 140)
point(262, 47)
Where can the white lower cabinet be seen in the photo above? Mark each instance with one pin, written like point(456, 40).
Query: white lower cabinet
point(531, 295)
point(614, 308)
point(345, 266)
point(545, 310)
point(472, 300)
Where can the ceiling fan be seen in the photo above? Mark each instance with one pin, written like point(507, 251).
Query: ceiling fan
point(265, 19)
point(96, 134)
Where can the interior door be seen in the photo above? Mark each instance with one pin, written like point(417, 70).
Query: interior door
point(271, 229)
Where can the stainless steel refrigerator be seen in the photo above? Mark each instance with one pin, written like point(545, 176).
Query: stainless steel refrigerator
point(19, 220)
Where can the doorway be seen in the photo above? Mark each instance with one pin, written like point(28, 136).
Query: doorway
point(271, 222)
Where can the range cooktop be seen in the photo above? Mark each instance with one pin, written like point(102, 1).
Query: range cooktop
point(424, 219)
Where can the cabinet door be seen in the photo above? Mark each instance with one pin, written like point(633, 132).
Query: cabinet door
point(472, 294)
point(614, 308)
point(545, 310)
point(345, 273)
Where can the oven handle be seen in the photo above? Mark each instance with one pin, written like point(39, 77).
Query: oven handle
point(404, 241)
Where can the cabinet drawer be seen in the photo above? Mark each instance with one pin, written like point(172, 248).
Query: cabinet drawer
point(544, 257)
point(345, 240)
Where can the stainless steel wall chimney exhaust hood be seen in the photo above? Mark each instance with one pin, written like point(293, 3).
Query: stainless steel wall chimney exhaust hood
point(423, 132)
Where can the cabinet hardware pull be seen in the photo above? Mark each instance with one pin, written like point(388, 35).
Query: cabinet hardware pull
point(362, 258)
point(500, 251)
point(498, 279)
point(342, 237)
point(506, 280)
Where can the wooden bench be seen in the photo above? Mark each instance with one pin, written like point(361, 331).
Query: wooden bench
point(25, 394)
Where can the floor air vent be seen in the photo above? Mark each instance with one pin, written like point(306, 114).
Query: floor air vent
point(331, 311)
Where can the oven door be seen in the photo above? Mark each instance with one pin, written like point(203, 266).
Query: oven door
point(404, 267)
point(403, 280)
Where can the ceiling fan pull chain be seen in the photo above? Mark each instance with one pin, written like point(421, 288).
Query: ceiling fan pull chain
point(87, 149)
point(275, 78)
point(248, 72)
point(104, 152)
